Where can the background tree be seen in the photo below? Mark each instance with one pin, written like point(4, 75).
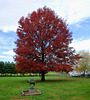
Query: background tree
point(43, 43)
point(1, 67)
point(13, 68)
point(7, 68)
point(84, 63)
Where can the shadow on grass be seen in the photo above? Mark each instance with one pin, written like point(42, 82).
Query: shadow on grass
point(56, 80)
point(52, 80)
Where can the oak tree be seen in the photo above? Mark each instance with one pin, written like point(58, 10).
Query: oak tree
point(43, 43)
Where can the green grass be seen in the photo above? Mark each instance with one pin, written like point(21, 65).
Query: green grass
point(57, 74)
point(54, 88)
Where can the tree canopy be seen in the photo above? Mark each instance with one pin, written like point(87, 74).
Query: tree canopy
point(7, 67)
point(84, 62)
point(43, 43)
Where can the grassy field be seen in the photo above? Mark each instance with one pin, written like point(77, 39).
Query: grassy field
point(54, 88)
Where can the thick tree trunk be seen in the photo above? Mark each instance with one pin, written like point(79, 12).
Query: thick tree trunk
point(42, 73)
point(42, 76)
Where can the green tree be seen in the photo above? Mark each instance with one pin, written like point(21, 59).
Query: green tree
point(13, 69)
point(7, 67)
point(84, 62)
point(1, 67)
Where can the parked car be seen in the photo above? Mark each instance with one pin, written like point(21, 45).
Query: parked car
point(88, 74)
point(78, 74)
point(75, 74)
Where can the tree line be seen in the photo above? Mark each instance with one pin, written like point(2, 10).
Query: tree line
point(7, 68)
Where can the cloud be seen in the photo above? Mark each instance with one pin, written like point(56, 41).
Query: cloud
point(11, 11)
point(77, 10)
point(9, 28)
point(7, 42)
point(10, 52)
point(5, 56)
point(4, 47)
point(72, 10)
point(81, 45)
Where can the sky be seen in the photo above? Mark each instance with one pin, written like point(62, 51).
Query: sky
point(76, 12)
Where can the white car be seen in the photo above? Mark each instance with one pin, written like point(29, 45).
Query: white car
point(88, 74)
point(78, 74)
point(75, 74)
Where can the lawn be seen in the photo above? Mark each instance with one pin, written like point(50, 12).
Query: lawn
point(54, 88)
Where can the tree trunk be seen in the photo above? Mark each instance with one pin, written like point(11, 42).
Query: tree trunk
point(42, 73)
point(42, 76)
point(23, 74)
point(84, 73)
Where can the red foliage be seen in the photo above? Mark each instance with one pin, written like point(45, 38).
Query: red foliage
point(43, 43)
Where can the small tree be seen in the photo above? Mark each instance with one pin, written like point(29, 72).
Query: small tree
point(84, 62)
point(43, 44)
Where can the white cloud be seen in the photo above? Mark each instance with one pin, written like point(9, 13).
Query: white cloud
point(3, 41)
point(4, 47)
point(11, 11)
point(81, 45)
point(10, 52)
point(5, 56)
point(9, 28)
point(7, 42)
point(72, 10)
